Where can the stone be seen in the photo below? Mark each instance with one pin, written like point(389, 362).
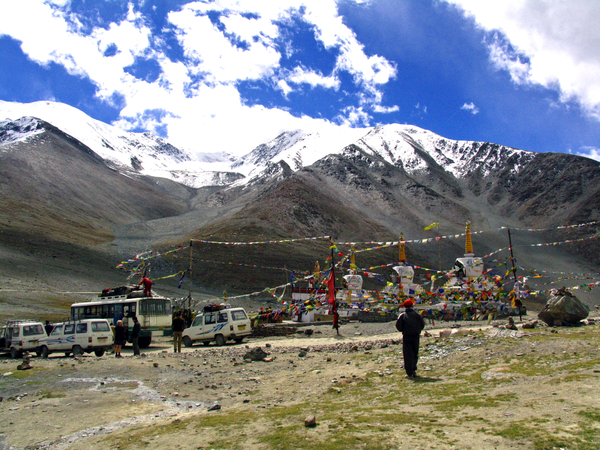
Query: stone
point(563, 306)
point(25, 365)
point(445, 333)
point(530, 325)
point(214, 407)
point(310, 421)
point(256, 354)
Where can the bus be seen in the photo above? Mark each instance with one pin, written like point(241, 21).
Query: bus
point(153, 313)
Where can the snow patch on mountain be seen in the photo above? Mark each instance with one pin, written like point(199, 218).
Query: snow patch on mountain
point(296, 149)
point(19, 130)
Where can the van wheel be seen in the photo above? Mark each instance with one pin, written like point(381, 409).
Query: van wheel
point(206, 343)
point(77, 350)
point(239, 340)
point(14, 353)
point(67, 354)
point(144, 342)
point(99, 353)
point(45, 352)
point(187, 341)
point(220, 340)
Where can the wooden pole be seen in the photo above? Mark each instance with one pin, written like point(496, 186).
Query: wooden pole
point(190, 275)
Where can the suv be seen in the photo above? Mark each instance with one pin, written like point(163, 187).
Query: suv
point(87, 335)
point(219, 325)
point(19, 336)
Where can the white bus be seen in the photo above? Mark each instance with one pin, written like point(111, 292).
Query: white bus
point(153, 313)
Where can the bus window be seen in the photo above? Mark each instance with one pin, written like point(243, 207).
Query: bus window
point(129, 309)
point(118, 314)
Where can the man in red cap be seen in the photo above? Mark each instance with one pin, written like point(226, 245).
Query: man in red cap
point(410, 324)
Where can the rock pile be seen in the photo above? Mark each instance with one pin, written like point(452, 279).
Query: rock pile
point(563, 308)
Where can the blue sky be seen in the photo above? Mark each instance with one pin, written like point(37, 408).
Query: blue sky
point(227, 75)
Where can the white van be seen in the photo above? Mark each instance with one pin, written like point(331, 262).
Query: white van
point(77, 337)
point(218, 325)
point(19, 336)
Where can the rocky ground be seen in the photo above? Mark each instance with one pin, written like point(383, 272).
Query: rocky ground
point(481, 387)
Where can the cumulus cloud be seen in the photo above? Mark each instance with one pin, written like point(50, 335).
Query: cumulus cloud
point(555, 44)
point(470, 107)
point(589, 152)
point(224, 43)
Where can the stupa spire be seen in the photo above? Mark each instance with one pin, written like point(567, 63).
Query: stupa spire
point(401, 251)
point(469, 242)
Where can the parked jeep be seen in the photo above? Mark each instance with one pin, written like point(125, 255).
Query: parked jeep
point(219, 325)
point(19, 336)
point(77, 337)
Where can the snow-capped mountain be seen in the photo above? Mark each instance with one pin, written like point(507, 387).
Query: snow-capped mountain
point(69, 183)
point(142, 153)
point(405, 146)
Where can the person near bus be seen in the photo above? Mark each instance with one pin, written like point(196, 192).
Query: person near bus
point(119, 338)
point(135, 335)
point(178, 325)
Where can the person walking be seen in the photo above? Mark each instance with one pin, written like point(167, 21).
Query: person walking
point(410, 323)
point(135, 336)
point(119, 338)
point(178, 325)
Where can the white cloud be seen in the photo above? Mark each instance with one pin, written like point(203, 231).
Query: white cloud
point(555, 44)
point(385, 109)
point(589, 152)
point(470, 107)
point(353, 117)
point(300, 75)
point(199, 96)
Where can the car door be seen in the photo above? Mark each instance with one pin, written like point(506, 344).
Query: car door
point(68, 338)
point(55, 340)
point(210, 323)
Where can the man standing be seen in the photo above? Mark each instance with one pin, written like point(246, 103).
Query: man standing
point(178, 325)
point(135, 335)
point(410, 324)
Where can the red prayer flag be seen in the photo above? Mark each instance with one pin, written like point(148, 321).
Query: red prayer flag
point(331, 289)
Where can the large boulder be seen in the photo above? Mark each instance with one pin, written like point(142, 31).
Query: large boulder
point(563, 308)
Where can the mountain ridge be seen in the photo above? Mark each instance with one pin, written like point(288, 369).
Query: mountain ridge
point(391, 180)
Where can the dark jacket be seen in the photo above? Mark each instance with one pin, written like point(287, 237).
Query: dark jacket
point(410, 322)
point(178, 324)
point(135, 331)
point(119, 335)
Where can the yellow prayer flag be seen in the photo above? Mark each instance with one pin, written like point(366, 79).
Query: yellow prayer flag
point(435, 224)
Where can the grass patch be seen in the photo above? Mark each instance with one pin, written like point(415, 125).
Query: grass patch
point(461, 401)
point(52, 394)
point(22, 374)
